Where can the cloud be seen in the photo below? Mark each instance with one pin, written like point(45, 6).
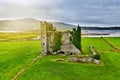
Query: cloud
point(87, 12)
point(94, 12)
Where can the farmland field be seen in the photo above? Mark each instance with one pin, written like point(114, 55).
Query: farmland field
point(114, 40)
point(15, 55)
point(6, 36)
point(98, 43)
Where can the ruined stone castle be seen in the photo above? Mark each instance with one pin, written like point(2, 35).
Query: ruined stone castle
point(55, 42)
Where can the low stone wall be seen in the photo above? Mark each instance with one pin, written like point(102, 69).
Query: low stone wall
point(83, 59)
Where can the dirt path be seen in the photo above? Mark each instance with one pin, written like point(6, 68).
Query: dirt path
point(25, 68)
point(110, 44)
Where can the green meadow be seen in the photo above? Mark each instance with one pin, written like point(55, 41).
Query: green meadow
point(114, 40)
point(7, 36)
point(16, 55)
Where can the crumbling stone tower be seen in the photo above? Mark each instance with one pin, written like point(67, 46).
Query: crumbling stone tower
point(53, 41)
point(47, 31)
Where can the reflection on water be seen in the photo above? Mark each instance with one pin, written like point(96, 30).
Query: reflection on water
point(99, 33)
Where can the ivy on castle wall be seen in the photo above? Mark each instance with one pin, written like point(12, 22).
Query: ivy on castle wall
point(57, 41)
point(76, 34)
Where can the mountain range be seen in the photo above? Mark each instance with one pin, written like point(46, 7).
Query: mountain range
point(29, 24)
point(33, 24)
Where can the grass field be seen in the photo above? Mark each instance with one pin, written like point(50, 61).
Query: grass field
point(98, 43)
point(18, 35)
point(15, 55)
point(114, 40)
point(45, 69)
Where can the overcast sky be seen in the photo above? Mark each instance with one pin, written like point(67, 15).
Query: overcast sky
point(84, 12)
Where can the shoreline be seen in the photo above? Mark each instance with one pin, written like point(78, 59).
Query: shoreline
point(101, 36)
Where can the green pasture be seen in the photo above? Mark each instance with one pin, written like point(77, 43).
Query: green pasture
point(46, 69)
point(18, 35)
point(114, 40)
point(98, 43)
point(16, 55)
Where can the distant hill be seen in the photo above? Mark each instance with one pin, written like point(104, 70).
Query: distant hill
point(28, 24)
point(19, 24)
point(63, 26)
point(33, 24)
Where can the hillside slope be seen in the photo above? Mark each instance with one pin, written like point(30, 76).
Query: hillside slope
point(28, 24)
